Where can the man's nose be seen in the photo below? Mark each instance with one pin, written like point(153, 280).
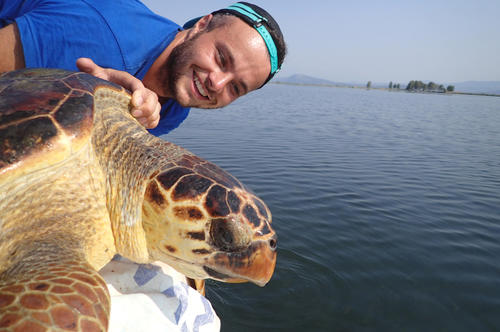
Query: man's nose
point(218, 80)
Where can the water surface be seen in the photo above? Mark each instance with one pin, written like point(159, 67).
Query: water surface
point(386, 205)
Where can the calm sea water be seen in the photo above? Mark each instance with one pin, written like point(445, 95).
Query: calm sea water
point(386, 205)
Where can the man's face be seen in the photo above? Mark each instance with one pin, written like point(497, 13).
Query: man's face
point(211, 69)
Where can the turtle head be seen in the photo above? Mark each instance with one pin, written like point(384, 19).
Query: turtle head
point(204, 223)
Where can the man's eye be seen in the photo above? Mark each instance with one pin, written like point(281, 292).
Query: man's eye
point(236, 90)
point(222, 59)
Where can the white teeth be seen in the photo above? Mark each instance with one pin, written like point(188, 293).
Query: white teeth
point(199, 87)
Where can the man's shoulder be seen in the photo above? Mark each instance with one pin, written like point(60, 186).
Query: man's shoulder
point(117, 7)
point(140, 33)
point(129, 12)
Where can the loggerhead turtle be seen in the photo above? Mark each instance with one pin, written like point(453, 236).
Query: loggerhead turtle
point(81, 180)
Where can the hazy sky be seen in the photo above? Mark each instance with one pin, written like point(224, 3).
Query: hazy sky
point(382, 41)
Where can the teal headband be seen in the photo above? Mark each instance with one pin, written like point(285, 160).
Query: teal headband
point(256, 21)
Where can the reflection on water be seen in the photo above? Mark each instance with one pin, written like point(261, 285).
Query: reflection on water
point(386, 206)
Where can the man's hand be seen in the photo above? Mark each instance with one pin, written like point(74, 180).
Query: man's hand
point(146, 108)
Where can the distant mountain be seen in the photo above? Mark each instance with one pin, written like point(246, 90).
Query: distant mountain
point(492, 87)
point(304, 79)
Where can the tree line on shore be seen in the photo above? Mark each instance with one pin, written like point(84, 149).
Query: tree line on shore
point(431, 86)
point(419, 86)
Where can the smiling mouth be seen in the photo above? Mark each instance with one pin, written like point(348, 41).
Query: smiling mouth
point(199, 87)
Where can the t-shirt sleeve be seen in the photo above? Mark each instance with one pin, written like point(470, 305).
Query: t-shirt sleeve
point(9, 10)
point(119, 34)
point(56, 33)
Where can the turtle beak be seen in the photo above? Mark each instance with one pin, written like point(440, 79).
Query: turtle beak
point(255, 264)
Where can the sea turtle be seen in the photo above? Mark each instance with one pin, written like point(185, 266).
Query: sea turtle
point(81, 180)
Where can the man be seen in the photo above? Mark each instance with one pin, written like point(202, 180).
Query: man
point(210, 63)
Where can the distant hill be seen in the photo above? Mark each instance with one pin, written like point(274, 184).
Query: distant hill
point(492, 87)
point(304, 79)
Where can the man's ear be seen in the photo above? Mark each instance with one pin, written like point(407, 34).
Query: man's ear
point(202, 23)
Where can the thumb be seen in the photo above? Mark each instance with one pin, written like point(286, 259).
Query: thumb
point(88, 66)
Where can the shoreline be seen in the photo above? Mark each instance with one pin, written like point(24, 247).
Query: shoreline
point(387, 89)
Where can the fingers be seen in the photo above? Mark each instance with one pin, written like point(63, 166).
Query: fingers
point(155, 119)
point(85, 64)
point(119, 77)
point(145, 107)
point(88, 66)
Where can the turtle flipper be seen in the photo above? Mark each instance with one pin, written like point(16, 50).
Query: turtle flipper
point(46, 292)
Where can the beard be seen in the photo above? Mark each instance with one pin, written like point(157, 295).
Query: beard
point(176, 64)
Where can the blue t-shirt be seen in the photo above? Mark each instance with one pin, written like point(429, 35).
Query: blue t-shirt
point(119, 34)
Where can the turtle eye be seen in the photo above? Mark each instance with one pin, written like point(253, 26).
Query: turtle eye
point(227, 234)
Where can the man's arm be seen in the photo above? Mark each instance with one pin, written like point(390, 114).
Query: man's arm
point(11, 52)
point(146, 108)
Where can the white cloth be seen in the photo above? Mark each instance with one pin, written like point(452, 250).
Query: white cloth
point(154, 297)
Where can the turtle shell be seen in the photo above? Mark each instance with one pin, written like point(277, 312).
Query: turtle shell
point(45, 116)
